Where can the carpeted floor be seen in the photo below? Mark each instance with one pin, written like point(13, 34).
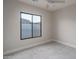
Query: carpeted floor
point(46, 51)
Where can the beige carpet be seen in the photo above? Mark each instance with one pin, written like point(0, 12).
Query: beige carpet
point(47, 51)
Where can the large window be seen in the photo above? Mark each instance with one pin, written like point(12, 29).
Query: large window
point(30, 25)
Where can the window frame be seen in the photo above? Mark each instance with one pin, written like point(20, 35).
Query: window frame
point(32, 26)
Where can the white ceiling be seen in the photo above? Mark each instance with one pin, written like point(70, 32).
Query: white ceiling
point(48, 6)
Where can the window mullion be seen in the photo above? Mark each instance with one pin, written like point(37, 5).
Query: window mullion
point(32, 26)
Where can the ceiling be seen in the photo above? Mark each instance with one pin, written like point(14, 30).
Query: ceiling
point(49, 5)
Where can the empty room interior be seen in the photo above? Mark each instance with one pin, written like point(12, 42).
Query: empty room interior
point(39, 29)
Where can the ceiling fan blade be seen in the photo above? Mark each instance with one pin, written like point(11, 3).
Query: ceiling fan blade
point(55, 1)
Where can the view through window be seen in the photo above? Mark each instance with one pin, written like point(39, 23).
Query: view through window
point(30, 25)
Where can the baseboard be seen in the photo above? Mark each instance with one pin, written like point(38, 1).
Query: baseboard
point(25, 47)
point(65, 43)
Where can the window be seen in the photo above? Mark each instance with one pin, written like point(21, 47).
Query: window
point(30, 25)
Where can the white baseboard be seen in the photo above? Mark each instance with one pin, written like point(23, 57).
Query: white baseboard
point(25, 47)
point(65, 43)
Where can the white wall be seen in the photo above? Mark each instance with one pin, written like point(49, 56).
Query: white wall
point(11, 13)
point(64, 26)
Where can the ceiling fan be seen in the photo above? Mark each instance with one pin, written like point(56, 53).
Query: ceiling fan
point(52, 1)
point(55, 1)
point(49, 2)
